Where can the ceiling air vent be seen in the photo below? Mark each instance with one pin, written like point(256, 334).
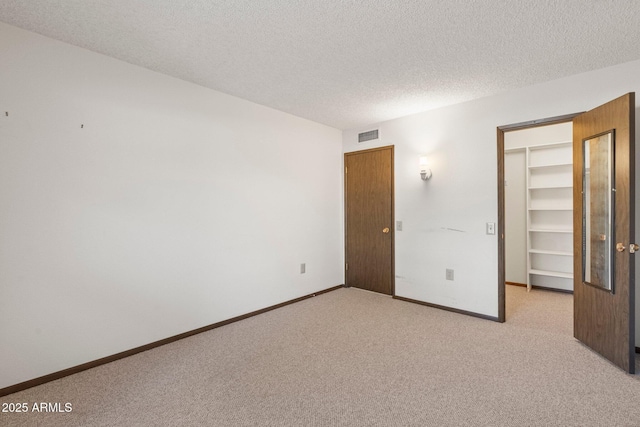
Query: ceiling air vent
point(368, 136)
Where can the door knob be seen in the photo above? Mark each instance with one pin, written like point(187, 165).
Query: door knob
point(385, 230)
point(633, 248)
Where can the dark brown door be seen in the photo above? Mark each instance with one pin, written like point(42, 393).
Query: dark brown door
point(604, 294)
point(369, 219)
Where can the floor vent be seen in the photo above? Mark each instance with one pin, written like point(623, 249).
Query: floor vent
point(368, 136)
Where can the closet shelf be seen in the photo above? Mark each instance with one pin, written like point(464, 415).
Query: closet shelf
point(551, 187)
point(551, 273)
point(545, 252)
point(551, 166)
point(547, 194)
point(548, 230)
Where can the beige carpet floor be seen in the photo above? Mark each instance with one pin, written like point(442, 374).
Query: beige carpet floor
point(355, 358)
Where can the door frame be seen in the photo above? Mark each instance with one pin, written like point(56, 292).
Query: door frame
point(393, 212)
point(501, 130)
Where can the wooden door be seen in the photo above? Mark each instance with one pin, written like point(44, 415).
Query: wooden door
point(369, 233)
point(604, 289)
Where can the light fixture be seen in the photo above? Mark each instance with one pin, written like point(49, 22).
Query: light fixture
point(425, 172)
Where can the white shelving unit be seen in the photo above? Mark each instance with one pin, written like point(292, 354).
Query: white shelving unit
point(550, 216)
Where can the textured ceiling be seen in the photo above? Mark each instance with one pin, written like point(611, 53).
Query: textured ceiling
point(347, 63)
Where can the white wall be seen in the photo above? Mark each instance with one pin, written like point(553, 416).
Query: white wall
point(531, 137)
point(515, 216)
point(462, 194)
point(174, 207)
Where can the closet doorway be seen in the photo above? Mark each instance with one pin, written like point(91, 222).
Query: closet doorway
point(539, 207)
point(536, 196)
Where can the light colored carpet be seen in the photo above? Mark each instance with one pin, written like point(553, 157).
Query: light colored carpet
point(355, 358)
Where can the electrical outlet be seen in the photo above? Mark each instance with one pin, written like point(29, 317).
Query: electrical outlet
point(303, 268)
point(449, 274)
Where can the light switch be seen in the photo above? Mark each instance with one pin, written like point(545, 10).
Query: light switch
point(491, 228)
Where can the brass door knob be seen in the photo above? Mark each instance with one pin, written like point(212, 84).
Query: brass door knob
point(620, 247)
point(385, 230)
point(633, 248)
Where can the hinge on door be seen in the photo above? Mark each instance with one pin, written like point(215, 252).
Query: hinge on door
point(346, 265)
point(345, 169)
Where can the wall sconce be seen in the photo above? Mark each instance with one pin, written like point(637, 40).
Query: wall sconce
point(425, 172)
